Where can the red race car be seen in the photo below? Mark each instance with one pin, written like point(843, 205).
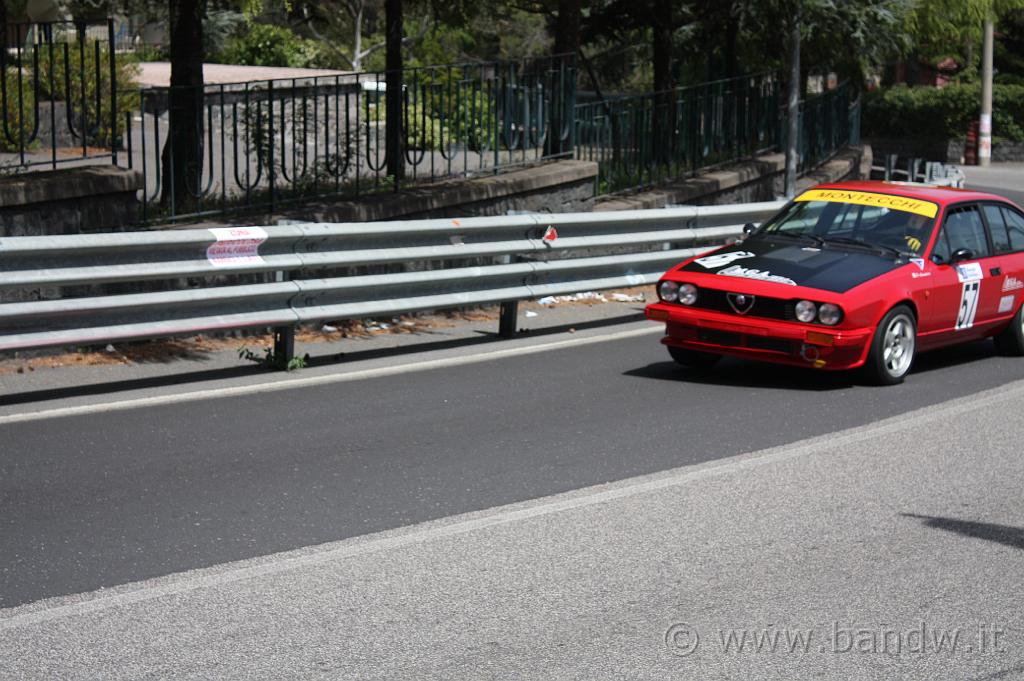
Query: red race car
point(854, 274)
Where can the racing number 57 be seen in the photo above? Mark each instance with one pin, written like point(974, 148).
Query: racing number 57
point(968, 305)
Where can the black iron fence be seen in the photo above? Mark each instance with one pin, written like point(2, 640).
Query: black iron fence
point(262, 145)
point(265, 144)
point(58, 95)
point(643, 140)
point(828, 121)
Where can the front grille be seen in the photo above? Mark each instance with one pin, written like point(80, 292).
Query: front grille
point(719, 337)
point(732, 339)
point(769, 308)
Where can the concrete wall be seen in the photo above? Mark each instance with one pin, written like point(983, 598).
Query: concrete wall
point(69, 201)
point(760, 179)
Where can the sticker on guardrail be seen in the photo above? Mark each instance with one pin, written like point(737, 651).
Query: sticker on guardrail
point(236, 246)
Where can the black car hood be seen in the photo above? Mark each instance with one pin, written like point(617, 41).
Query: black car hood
point(830, 268)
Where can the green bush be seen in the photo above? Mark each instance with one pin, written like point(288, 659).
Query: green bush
point(270, 45)
point(942, 113)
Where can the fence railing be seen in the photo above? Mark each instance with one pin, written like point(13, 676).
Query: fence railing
point(828, 121)
point(58, 95)
point(265, 144)
point(642, 140)
point(112, 287)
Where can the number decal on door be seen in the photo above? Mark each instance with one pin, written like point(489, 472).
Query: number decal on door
point(968, 305)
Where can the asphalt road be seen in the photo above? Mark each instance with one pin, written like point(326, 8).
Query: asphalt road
point(889, 551)
point(102, 499)
point(737, 521)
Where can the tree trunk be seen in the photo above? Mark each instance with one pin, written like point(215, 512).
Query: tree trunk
point(567, 27)
point(183, 151)
point(793, 108)
point(663, 142)
point(732, 30)
point(567, 41)
point(357, 50)
point(393, 114)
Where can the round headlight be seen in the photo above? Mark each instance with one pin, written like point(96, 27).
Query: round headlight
point(829, 314)
point(687, 294)
point(668, 291)
point(806, 311)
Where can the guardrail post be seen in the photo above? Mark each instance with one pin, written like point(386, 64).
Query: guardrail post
point(284, 345)
point(507, 319)
point(284, 336)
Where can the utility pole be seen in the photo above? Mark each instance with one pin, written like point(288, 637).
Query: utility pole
point(793, 107)
point(985, 124)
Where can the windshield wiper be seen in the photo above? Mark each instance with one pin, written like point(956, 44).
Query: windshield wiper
point(805, 236)
point(866, 244)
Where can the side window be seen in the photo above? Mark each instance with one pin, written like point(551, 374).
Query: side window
point(964, 230)
point(1015, 226)
point(997, 228)
point(941, 254)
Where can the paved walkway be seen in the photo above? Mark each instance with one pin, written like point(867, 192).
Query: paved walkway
point(158, 73)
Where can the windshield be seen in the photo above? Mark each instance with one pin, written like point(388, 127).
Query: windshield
point(859, 223)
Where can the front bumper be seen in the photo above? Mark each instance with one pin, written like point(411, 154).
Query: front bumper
point(768, 340)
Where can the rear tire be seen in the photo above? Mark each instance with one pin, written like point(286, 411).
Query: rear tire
point(693, 358)
point(1011, 340)
point(893, 347)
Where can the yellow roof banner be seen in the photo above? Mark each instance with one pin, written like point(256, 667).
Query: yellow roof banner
point(904, 203)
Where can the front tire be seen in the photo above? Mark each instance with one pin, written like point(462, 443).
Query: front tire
point(693, 358)
point(892, 347)
point(1011, 340)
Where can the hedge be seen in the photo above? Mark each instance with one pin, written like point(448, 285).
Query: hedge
point(942, 113)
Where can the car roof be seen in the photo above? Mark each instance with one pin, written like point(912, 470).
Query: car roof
point(940, 195)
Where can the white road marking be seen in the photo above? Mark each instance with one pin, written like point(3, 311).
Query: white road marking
point(309, 381)
point(227, 573)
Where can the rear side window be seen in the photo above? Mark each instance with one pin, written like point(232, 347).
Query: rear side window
point(964, 230)
point(1015, 226)
point(997, 228)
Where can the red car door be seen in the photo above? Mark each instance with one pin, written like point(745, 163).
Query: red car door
point(967, 281)
point(1013, 259)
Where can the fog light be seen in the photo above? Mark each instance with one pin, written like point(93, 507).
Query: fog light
point(806, 311)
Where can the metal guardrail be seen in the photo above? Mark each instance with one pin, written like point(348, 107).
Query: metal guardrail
point(281, 276)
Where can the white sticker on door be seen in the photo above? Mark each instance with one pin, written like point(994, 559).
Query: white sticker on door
point(968, 305)
point(969, 271)
point(1005, 304)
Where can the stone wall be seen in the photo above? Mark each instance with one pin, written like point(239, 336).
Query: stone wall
point(760, 179)
point(69, 201)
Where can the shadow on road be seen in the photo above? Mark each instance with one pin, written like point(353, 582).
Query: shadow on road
point(752, 374)
point(1001, 534)
point(322, 360)
point(747, 374)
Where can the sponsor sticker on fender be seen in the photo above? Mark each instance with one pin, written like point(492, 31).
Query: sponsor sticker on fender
point(236, 246)
point(903, 203)
point(1012, 284)
point(1005, 304)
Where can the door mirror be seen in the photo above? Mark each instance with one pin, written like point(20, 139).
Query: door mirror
point(961, 254)
point(749, 229)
